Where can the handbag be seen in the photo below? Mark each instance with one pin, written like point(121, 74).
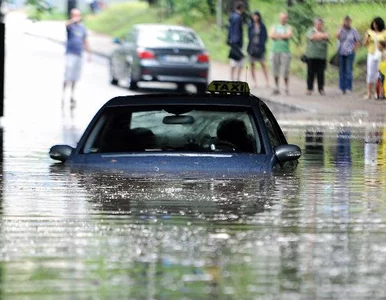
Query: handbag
point(334, 61)
point(235, 53)
point(304, 58)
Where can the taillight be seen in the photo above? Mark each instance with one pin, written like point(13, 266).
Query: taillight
point(203, 58)
point(145, 54)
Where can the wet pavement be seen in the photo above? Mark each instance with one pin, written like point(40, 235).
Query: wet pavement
point(319, 233)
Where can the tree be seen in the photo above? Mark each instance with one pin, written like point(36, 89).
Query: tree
point(40, 7)
point(301, 17)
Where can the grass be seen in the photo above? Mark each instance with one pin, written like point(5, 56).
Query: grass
point(118, 19)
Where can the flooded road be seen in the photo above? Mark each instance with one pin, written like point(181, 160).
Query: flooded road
point(319, 233)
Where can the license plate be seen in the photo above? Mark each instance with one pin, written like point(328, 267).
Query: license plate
point(176, 59)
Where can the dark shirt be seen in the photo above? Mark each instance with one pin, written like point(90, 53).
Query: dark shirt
point(235, 33)
point(262, 36)
point(76, 35)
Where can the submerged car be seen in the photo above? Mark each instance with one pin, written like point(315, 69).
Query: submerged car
point(224, 132)
point(163, 53)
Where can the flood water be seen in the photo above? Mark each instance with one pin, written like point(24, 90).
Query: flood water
point(319, 233)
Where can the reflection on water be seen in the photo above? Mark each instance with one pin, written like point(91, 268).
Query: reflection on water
point(319, 233)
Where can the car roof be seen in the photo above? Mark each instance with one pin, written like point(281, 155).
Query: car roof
point(149, 26)
point(184, 99)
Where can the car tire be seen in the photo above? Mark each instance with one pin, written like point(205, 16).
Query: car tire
point(201, 88)
point(133, 85)
point(113, 80)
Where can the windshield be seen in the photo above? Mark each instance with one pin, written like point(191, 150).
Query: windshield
point(174, 128)
point(163, 36)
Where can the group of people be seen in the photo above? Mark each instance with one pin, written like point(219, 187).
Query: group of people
point(316, 55)
point(258, 35)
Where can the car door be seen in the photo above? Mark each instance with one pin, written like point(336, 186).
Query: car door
point(123, 57)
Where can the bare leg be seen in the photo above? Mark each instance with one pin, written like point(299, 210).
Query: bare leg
point(253, 74)
point(370, 87)
point(265, 72)
point(239, 73)
point(232, 73)
point(286, 85)
point(276, 89)
point(72, 91)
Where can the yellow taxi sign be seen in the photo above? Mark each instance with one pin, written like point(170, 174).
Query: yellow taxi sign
point(231, 87)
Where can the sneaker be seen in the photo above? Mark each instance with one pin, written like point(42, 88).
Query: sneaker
point(275, 92)
point(309, 93)
point(322, 92)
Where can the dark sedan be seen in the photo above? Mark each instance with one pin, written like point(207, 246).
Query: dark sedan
point(163, 53)
point(226, 132)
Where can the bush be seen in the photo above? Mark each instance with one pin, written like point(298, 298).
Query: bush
point(301, 17)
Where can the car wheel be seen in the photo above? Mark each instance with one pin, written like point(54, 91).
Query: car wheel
point(201, 88)
point(113, 80)
point(133, 84)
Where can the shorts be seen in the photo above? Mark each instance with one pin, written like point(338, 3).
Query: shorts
point(73, 67)
point(253, 59)
point(280, 64)
point(236, 63)
point(372, 69)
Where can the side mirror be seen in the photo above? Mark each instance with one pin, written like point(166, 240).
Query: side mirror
point(117, 41)
point(286, 153)
point(60, 152)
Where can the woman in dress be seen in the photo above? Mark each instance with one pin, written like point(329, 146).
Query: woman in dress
point(373, 36)
point(258, 36)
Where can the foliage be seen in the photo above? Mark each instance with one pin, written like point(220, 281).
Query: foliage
point(119, 18)
point(301, 17)
point(39, 8)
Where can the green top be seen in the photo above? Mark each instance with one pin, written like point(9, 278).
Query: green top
point(316, 49)
point(281, 45)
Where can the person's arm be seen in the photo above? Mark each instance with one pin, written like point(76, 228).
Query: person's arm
point(357, 38)
point(319, 36)
point(86, 45)
point(288, 34)
point(272, 34)
point(264, 35)
point(73, 20)
point(366, 39)
point(338, 33)
point(233, 33)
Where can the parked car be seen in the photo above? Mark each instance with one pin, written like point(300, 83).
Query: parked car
point(225, 132)
point(164, 53)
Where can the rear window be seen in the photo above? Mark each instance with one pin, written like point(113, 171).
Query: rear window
point(178, 129)
point(160, 36)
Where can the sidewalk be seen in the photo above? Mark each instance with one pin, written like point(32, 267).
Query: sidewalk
point(333, 103)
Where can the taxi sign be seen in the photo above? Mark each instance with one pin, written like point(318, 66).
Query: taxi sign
point(228, 87)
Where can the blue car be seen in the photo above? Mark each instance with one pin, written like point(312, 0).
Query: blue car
point(224, 132)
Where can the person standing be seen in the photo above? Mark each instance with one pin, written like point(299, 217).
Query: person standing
point(257, 33)
point(349, 41)
point(235, 41)
point(316, 52)
point(373, 36)
point(281, 56)
point(75, 46)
